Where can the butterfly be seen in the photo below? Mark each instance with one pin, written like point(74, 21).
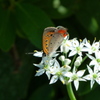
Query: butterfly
point(52, 39)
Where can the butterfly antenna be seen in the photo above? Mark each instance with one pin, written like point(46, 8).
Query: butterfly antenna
point(29, 53)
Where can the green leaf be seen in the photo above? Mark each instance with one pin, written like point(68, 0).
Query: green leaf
point(84, 88)
point(93, 95)
point(88, 16)
point(7, 34)
point(32, 21)
point(55, 8)
point(43, 93)
point(14, 86)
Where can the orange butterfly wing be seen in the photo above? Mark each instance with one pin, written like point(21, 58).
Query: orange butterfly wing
point(55, 42)
point(52, 38)
point(47, 35)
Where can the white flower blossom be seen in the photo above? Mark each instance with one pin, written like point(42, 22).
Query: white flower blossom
point(44, 66)
point(76, 48)
point(69, 48)
point(95, 60)
point(91, 48)
point(75, 77)
point(57, 72)
point(93, 76)
point(78, 61)
point(66, 44)
point(38, 53)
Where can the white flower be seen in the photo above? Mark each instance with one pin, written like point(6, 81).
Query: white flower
point(67, 61)
point(62, 58)
point(51, 67)
point(66, 44)
point(38, 53)
point(79, 58)
point(75, 77)
point(57, 73)
point(76, 48)
point(93, 76)
point(78, 61)
point(44, 66)
point(91, 48)
point(95, 60)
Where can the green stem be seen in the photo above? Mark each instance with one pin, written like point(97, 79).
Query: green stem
point(73, 60)
point(84, 59)
point(65, 55)
point(70, 92)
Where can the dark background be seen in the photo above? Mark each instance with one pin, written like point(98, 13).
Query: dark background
point(21, 26)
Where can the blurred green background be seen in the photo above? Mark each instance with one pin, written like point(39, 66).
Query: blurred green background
point(21, 26)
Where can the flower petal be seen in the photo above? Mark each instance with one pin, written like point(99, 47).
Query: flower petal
point(77, 63)
point(91, 57)
point(38, 54)
point(98, 80)
point(72, 53)
point(70, 80)
point(62, 58)
point(75, 43)
point(81, 79)
point(96, 45)
point(38, 65)
point(56, 64)
point(67, 61)
point(87, 77)
point(80, 73)
point(97, 54)
point(90, 70)
point(80, 53)
point(92, 82)
point(40, 72)
point(87, 44)
point(68, 74)
point(93, 62)
point(48, 74)
point(53, 79)
point(85, 49)
point(62, 79)
point(76, 84)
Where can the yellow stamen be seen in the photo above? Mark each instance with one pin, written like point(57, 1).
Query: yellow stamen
point(63, 82)
point(35, 51)
point(89, 41)
point(94, 38)
point(80, 40)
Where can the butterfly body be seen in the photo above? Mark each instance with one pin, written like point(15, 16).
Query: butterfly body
point(52, 38)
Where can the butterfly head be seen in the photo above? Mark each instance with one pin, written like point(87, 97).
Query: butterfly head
point(62, 30)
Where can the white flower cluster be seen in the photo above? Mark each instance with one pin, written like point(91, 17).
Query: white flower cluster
point(72, 56)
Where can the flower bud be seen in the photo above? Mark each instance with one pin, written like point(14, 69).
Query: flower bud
point(77, 63)
point(67, 61)
point(65, 48)
point(68, 68)
point(62, 58)
point(79, 58)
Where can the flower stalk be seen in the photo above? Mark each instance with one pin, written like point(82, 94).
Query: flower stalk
point(70, 92)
